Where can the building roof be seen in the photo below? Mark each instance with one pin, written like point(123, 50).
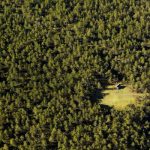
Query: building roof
point(118, 85)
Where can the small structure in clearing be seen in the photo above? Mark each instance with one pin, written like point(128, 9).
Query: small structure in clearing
point(118, 86)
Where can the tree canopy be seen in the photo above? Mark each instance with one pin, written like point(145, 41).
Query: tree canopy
point(54, 56)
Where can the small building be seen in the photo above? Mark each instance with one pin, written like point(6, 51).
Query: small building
point(118, 86)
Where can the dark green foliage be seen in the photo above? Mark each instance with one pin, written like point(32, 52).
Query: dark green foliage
point(54, 57)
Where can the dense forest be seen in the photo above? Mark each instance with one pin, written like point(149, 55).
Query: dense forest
point(54, 56)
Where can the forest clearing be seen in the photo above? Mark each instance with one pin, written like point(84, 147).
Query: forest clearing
point(120, 98)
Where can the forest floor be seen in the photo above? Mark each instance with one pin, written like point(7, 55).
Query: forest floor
point(120, 98)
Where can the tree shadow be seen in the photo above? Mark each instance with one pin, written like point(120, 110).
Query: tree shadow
point(97, 95)
point(105, 109)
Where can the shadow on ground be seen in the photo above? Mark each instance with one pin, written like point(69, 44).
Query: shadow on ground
point(97, 95)
point(122, 87)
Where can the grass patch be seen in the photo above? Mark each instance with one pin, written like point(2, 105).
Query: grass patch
point(120, 98)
